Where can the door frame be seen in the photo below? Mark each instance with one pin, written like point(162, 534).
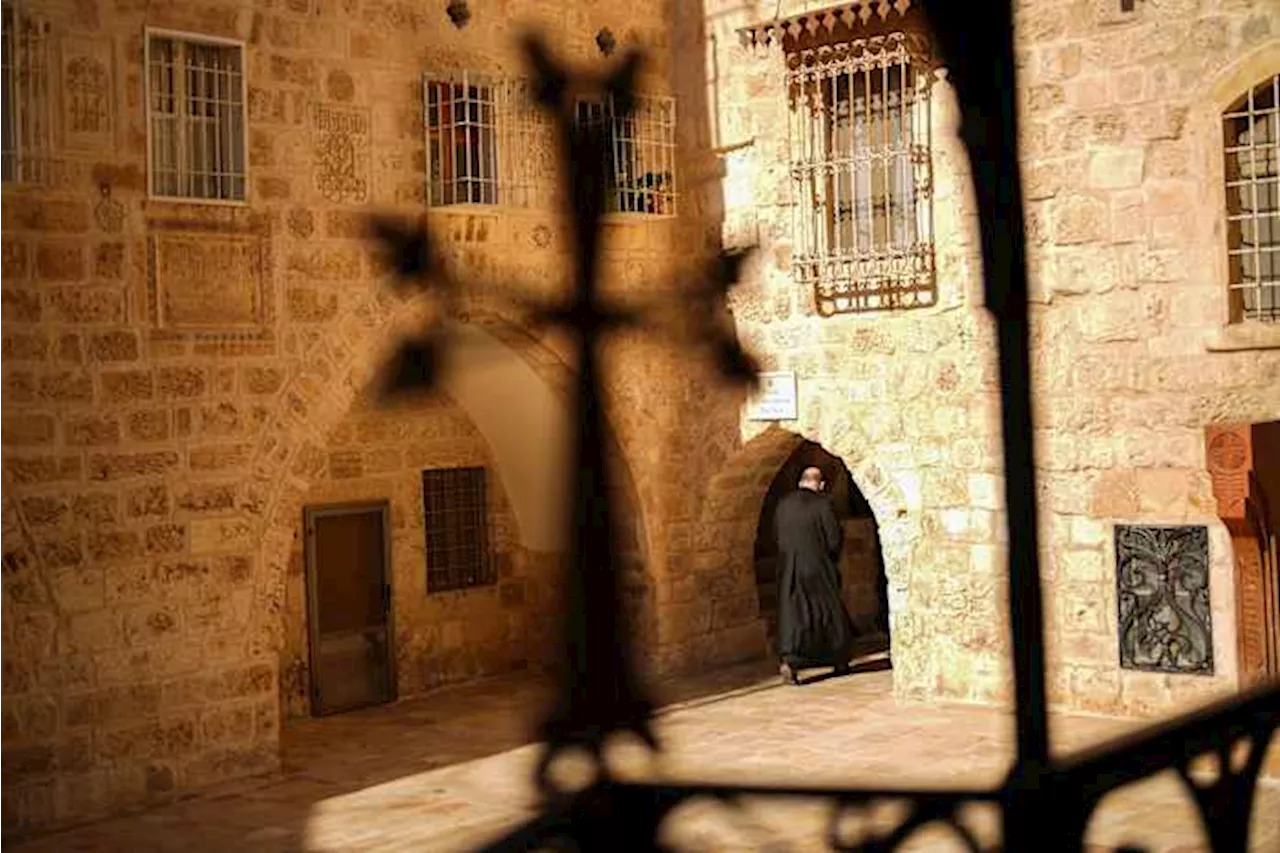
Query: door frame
point(310, 514)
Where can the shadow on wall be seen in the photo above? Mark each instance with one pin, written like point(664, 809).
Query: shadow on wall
point(861, 565)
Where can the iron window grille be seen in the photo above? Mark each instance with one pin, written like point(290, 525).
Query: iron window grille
point(1251, 131)
point(455, 511)
point(27, 119)
point(861, 172)
point(642, 153)
point(487, 143)
point(196, 125)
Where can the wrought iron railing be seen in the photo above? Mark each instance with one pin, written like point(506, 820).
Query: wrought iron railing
point(1045, 803)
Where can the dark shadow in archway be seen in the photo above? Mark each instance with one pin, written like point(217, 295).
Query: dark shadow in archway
point(865, 584)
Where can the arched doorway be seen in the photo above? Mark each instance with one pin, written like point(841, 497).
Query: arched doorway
point(865, 584)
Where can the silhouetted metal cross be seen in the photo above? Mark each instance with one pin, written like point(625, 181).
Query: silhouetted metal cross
point(599, 692)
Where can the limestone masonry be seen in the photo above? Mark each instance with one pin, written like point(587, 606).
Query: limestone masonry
point(182, 377)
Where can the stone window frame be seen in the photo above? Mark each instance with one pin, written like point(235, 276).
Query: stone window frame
point(1258, 120)
point(905, 275)
point(27, 96)
point(187, 39)
point(1216, 97)
point(643, 152)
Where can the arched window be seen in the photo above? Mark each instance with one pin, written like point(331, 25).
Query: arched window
point(1251, 141)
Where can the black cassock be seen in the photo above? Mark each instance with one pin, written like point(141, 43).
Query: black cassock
point(814, 628)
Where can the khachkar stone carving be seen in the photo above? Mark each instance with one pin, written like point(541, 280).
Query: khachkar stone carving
point(1162, 580)
point(342, 150)
point(86, 94)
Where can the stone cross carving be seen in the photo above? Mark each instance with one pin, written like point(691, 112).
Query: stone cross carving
point(600, 693)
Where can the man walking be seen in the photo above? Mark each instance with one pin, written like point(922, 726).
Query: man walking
point(814, 629)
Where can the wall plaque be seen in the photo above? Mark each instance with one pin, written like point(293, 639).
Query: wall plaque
point(212, 283)
point(343, 159)
point(1162, 586)
point(777, 399)
point(208, 281)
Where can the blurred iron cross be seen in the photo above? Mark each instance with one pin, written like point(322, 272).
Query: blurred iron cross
point(600, 693)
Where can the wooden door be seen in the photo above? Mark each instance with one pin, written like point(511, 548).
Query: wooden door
point(349, 604)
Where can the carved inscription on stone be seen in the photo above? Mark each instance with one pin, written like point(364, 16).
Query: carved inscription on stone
point(1162, 584)
point(343, 164)
point(203, 281)
point(87, 107)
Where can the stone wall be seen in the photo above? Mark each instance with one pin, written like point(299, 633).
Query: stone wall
point(377, 454)
point(154, 473)
point(1122, 162)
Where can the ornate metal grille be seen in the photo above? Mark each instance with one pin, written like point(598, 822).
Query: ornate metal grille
point(1251, 131)
point(861, 170)
point(455, 515)
point(1162, 579)
point(26, 91)
point(486, 143)
point(196, 117)
point(642, 147)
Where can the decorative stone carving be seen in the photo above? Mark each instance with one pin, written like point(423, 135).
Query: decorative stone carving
point(343, 162)
point(1162, 584)
point(87, 107)
point(108, 213)
point(302, 223)
point(212, 282)
point(1230, 460)
point(541, 236)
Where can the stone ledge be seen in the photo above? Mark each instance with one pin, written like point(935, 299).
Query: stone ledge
point(1243, 336)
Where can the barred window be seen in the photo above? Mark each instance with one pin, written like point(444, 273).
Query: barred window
point(27, 120)
point(860, 165)
point(195, 118)
point(487, 143)
point(642, 153)
point(1251, 129)
point(457, 529)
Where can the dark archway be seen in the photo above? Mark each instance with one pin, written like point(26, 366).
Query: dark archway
point(862, 563)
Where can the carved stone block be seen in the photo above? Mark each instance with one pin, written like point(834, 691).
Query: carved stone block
point(343, 158)
point(210, 282)
point(1162, 585)
point(87, 71)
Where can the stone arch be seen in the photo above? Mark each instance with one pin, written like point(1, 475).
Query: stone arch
point(290, 452)
point(729, 515)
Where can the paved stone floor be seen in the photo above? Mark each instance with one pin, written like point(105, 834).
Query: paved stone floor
point(447, 771)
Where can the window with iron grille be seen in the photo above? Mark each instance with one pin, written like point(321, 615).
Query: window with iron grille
point(457, 529)
point(1251, 130)
point(195, 118)
point(860, 166)
point(487, 143)
point(642, 153)
point(27, 120)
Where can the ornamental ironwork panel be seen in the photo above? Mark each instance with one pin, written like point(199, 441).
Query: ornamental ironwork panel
point(1162, 585)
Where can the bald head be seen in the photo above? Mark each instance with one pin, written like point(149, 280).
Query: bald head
point(811, 479)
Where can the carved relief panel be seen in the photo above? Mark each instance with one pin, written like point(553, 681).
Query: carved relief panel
point(343, 160)
point(88, 107)
point(1244, 464)
point(210, 281)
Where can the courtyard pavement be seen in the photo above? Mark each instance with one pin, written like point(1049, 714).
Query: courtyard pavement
point(450, 770)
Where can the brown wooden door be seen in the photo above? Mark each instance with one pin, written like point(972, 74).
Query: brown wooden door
point(349, 598)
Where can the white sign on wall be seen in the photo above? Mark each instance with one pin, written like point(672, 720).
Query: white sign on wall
point(776, 398)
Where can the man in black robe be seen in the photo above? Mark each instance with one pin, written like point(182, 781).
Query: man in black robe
point(814, 629)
